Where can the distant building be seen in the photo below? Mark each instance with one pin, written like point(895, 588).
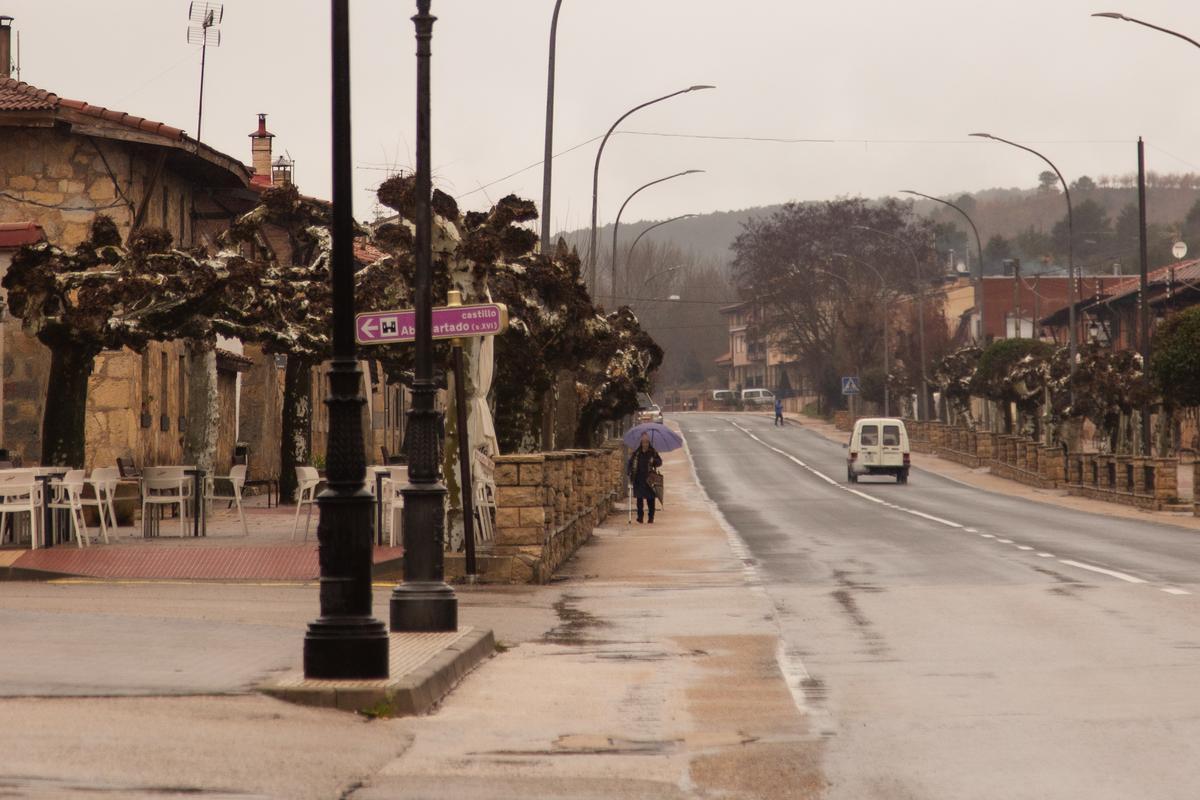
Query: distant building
point(752, 362)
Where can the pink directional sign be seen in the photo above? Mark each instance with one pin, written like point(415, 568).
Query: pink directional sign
point(449, 322)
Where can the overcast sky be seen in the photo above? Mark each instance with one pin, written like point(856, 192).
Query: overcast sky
point(899, 83)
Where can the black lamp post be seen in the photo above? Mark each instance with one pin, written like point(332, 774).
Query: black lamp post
point(423, 602)
point(346, 641)
point(979, 303)
point(548, 158)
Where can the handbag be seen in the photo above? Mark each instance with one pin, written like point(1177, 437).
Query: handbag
point(655, 481)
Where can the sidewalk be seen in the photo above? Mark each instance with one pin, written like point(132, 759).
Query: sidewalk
point(981, 478)
point(647, 670)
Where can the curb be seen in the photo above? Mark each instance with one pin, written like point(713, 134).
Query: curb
point(411, 694)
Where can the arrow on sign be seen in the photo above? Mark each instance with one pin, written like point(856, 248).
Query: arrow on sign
point(368, 328)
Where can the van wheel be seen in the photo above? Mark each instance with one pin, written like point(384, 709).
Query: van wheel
point(902, 476)
point(851, 477)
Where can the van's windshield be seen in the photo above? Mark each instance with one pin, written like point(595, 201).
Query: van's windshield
point(869, 437)
point(891, 435)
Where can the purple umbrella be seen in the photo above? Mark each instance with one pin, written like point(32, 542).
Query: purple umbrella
point(662, 438)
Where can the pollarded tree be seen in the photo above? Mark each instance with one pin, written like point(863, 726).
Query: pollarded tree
point(102, 296)
point(609, 382)
point(952, 376)
point(1013, 372)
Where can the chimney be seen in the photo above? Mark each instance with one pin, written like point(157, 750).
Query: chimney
point(281, 171)
point(260, 148)
point(6, 64)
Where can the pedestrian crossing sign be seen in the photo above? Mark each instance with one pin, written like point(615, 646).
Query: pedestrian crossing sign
point(850, 384)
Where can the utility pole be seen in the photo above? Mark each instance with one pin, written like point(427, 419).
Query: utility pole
point(548, 157)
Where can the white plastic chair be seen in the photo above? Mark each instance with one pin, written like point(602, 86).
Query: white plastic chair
point(68, 496)
point(104, 482)
point(235, 479)
point(307, 480)
point(394, 501)
point(166, 486)
point(485, 499)
point(20, 493)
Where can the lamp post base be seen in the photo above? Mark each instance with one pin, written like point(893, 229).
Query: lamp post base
point(424, 607)
point(346, 648)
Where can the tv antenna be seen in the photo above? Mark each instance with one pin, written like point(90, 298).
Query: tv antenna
point(203, 19)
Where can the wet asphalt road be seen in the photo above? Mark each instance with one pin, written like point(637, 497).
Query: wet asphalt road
point(956, 643)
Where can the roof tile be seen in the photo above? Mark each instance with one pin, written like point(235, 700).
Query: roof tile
point(20, 96)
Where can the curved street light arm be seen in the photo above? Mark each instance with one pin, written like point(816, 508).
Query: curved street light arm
point(596, 168)
point(652, 227)
point(978, 248)
point(617, 224)
point(660, 273)
point(1072, 294)
point(548, 158)
point(1117, 15)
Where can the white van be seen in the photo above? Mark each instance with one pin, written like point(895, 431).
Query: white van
point(878, 446)
point(722, 395)
point(758, 397)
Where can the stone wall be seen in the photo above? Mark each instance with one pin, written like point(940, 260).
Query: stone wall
point(1132, 480)
point(547, 505)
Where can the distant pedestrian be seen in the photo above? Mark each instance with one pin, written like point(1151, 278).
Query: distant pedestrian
point(642, 463)
point(778, 411)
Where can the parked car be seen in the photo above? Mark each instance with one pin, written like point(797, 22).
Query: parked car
point(651, 414)
point(758, 397)
point(878, 446)
point(723, 395)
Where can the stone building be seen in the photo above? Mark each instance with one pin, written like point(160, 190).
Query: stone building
point(62, 162)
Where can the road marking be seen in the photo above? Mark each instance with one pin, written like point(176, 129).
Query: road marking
point(970, 530)
point(839, 485)
point(734, 535)
point(1112, 573)
point(1024, 547)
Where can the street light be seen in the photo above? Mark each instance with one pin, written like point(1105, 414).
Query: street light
point(887, 410)
point(346, 642)
point(660, 273)
point(423, 602)
point(923, 404)
point(1071, 289)
point(617, 224)
point(629, 253)
point(548, 158)
point(979, 301)
point(596, 171)
point(1176, 34)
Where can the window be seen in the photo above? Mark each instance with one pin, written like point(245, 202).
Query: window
point(869, 437)
point(891, 435)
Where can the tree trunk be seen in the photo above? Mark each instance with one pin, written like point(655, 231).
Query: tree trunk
point(295, 443)
point(64, 420)
point(203, 409)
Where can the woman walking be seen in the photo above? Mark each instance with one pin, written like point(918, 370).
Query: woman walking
point(644, 460)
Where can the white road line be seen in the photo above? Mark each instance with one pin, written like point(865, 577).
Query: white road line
point(970, 530)
point(1046, 555)
point(1024, 547)
point(1173, 590)
point(838, 484)
point(1112, 573)
point(988, 535)
point(1005, 541)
